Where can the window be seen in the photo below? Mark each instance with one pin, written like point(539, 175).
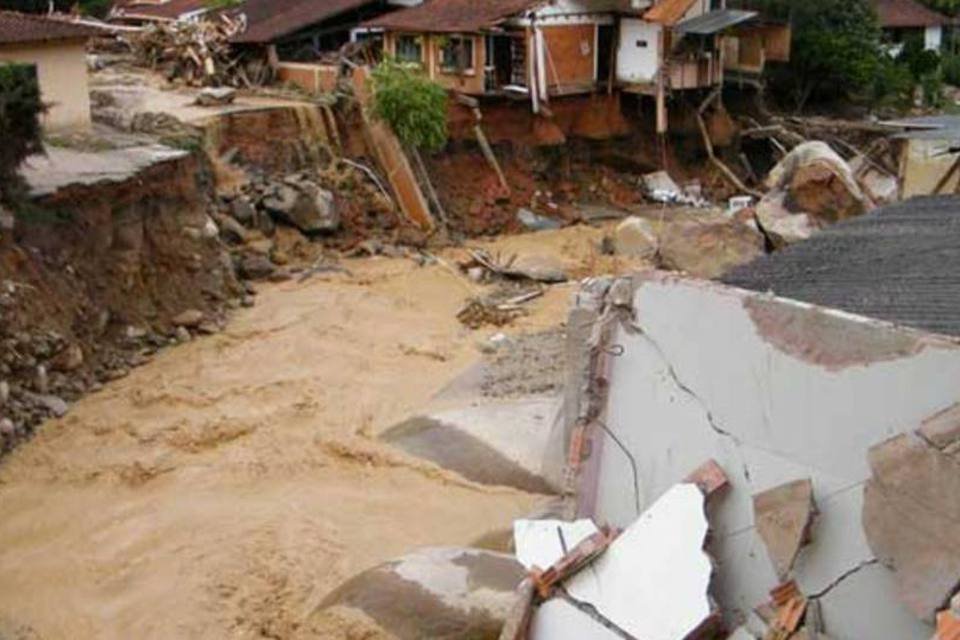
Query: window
point(409, 49)
point(456, 54)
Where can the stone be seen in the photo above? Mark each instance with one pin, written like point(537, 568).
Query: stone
point(255, 266)
point(819, 182)
point(189, 318)
point(432, 594)
point(54, 404)
point(183, 334)
point(307, 207)
point(536, 222)
point(542, 268)
point(783, 516)
point(910, 514)
point(7, 427)
point(215, 96)
point(69, 359)
point(707, 244)
point(4, 392)
point(242, 210)
point(636, 237)
point(780, 225)
point(210, 229)
point(231, 230)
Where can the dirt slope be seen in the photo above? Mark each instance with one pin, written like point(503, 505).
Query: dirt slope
point(224, 488)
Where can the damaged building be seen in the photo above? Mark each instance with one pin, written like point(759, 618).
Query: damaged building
point(821, 381)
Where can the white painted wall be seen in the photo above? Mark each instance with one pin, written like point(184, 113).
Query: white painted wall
point(635, 62)
point(703, 381)
point(62, 74)
point(933, 37)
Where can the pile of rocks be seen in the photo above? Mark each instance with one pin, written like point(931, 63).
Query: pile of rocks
point(248, 220)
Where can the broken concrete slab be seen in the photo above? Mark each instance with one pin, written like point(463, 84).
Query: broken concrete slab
point(436, 593)
point(558, 619)
point(652, 581)
point(703, 371)
point(781, 226)
point(500, 443)
point(59, 167)
point(910, 514)
point(215, 96)
point(783, 516)
point(541, 543)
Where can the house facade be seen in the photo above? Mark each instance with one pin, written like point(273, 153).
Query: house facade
point(542, 50)
point(905, 19)
point(140, 12)
point(57, 49)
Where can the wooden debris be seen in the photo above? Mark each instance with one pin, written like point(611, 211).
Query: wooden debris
point(198, 53)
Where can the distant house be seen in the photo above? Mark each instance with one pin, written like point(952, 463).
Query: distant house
point(305, 29)
point(546, 49)
point(903, 19)
point(57, 49)
point(148, 11)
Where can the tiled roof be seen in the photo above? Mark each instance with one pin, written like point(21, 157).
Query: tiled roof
point(22, 27)
point(452, 16)
point(900, 263)
point(668, 12)
point(907, 13)
point(170, 10)
point(268, 20)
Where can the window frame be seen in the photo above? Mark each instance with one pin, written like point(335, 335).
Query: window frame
point(417, 39)
point(470, 68)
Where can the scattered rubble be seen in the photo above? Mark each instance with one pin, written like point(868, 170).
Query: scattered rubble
point(783, 517)
point(817, 181)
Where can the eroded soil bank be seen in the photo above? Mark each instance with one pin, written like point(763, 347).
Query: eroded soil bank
point(224, 488)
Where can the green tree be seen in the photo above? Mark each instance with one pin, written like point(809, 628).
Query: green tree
point(20, 109)
point(836, 49)
point(414, 106)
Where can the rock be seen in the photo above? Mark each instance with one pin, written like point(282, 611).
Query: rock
point(536, 222)
point(780, 225)
point(54, 404)
point(231, 230)
point(69, 359)
point(183, 334)
point(431, 594)
point(660, 183)
point(210, 229)
point(542, 268)
point(819, 182)
point(243, 210)
point(635, 237)
point(307, 207)
point(255, 266)
point(7, 428)
point(215, 96)
point(134, 333)
point(43, 379)
point(707, 244)
point(4, 392)
point(189, 318)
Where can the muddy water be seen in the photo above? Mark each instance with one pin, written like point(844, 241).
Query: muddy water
point(223, 489)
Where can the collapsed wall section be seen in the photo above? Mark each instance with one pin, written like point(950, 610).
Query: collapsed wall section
point(775, 391)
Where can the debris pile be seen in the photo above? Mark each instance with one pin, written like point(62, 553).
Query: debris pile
point(198, 53)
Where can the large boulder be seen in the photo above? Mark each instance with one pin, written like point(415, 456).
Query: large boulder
point(817, 181)
point(707, 244)
point(436, 593)
point(781, 226)
point(635, 237)
point(305, 206)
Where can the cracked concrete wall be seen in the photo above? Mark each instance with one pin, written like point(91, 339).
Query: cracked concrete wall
point(703, 375)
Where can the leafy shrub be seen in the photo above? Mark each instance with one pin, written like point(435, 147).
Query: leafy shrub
point(893, 84)
point(414, 106)
point(950, 66)
point(20, 109)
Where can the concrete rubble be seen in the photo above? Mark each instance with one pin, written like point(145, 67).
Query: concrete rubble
point(835, 505)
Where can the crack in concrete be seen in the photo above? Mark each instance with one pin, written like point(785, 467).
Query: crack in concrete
point(591, 611)
point(683, 386)
point(842, 577)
